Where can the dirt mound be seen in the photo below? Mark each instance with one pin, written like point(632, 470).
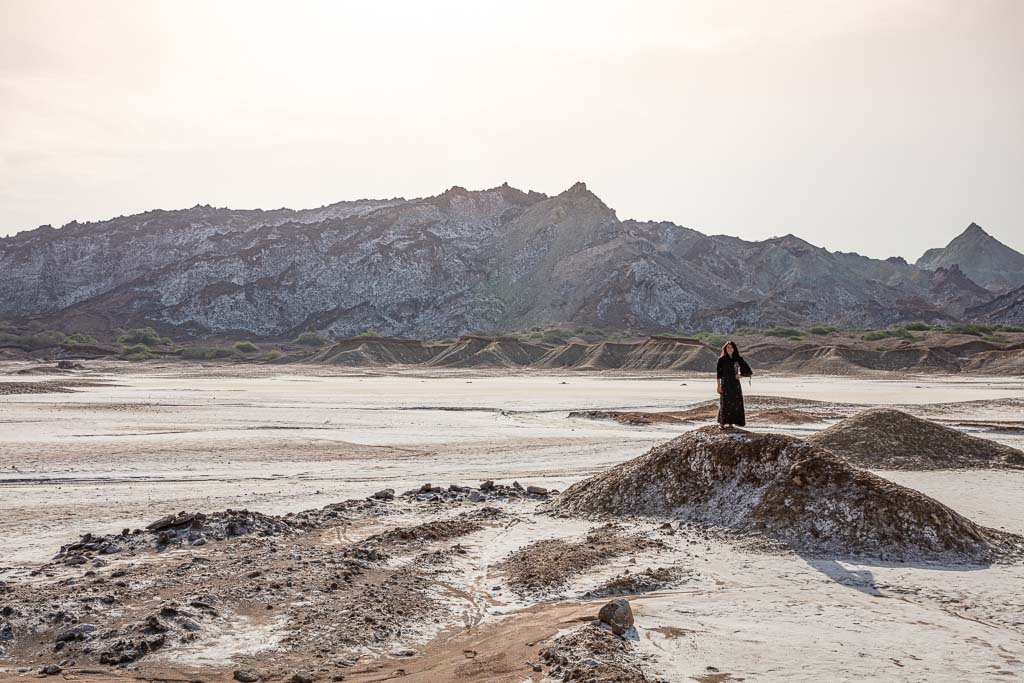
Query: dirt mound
point(646, 581)
point(883, 438)
point(551, 563)
point(593, 653)
point(373, 351)
point(789, 490)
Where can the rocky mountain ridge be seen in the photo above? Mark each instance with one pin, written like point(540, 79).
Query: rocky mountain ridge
point(461, 261)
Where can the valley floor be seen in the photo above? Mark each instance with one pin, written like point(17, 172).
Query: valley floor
point(124, 447)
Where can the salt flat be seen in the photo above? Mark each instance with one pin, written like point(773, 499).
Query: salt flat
point(157, 439)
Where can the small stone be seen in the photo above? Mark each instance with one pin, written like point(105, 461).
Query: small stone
point(51, 670)
point(426, 488)
point(246, 676)
point(537, 490)
point(487, 486)
point(476, 497)
point(385, 494)
point(403, 652)
point(617, 614)
point(301, 677)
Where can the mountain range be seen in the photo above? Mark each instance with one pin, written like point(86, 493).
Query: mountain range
point(462, 261)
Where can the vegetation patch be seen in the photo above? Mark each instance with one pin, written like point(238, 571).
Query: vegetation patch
point(310, 339)
point(143, 335)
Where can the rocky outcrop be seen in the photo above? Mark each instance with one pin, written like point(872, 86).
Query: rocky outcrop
point(1007, 309)
point(497, 259)
point(787, 489)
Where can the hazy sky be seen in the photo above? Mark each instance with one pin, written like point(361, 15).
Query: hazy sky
point(879, 127)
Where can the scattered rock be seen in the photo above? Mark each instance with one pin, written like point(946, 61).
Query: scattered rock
point(246, 676)
point(301, 677)
point(385, 494)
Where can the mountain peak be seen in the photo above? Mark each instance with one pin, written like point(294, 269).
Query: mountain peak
point(975, 230)
point(982, 257)
point(579, 188)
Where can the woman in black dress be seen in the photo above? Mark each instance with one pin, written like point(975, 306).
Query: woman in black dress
point(731, 367)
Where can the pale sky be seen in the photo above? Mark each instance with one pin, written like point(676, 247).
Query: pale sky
point(882, 127)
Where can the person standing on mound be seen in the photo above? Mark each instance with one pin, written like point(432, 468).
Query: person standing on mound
point(731, 367)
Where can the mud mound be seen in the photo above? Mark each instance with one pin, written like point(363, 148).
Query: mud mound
point(551, 563)
point(883, 438)
point(647, 581)
point(592, 653)
point(197, 528)
point(789, 490)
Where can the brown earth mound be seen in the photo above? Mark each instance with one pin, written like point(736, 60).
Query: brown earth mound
point(592, 653)
point(786, 489)
point(883, 438)
point(551, 563)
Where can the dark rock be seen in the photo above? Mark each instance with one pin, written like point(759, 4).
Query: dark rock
point(246, 676)
point(385, 494)
point(617, 614)
point(301, 677)
point(50, 670)
point(537, 490)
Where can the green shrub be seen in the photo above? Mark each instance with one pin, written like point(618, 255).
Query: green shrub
point(821, 330)
point(918, 326)
point(310, 339)
point(272, 354)
point(34, 341)
point(554, 337)
point(895, 332)
point(787, 332)
point(136, 352)
point(997, 338)
point(246, 347)
point(712, 339)
point(204, 353)
point(368, 333)
point(970, 329)
point(143, 335)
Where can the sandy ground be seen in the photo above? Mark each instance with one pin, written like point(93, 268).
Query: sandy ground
point(159, 440)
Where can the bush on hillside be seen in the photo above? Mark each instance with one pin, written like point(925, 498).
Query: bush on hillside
point(143, 335)
point(310, 339)
point(246, 347)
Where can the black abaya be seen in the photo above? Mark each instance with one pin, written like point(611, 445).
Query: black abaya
point(730, 403)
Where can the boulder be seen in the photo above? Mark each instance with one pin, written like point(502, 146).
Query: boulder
point(618, 615)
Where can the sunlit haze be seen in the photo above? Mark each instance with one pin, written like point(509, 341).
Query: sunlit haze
point(878, 127)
